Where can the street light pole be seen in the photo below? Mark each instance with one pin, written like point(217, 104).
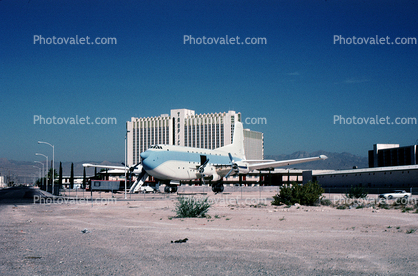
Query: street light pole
point(53, 163)
point(126, 141)
point(46, 186)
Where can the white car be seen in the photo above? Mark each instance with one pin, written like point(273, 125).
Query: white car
point(395, 194)
point(146, 189)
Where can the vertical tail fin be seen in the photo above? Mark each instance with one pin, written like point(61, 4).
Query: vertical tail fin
point(236, 149)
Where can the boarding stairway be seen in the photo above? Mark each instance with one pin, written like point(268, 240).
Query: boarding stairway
point(140, 180)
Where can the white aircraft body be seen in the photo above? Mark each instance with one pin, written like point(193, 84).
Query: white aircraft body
point(177, 163)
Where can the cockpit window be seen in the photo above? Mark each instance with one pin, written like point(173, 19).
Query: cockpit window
point(155, 147)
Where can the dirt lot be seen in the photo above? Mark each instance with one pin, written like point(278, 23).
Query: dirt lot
point(133, 237)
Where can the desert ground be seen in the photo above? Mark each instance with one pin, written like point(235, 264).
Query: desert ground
point(243, 235)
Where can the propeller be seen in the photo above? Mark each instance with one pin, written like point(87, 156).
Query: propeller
point(234, 166)
point(131, 171)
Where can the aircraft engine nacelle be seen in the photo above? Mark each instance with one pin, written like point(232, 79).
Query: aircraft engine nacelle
point(216, 177)
point(243, 168)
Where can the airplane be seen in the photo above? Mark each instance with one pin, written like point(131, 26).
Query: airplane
point(178, 163)
point(168, 163)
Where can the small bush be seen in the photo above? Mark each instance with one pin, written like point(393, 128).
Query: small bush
point(326, 202)
point(407, 209)
point(356, 192)
point(397, 204)
point(191, 207)
point(410, 231)
point(383, 205)
point(308, 194)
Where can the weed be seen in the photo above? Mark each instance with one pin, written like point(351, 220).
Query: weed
point(398, 205)
point(410, 231)
point(281, 219)
point(356, 192)
point(326, 202)
point(341, 207)
point(383, 205)
point(192, 207)
point(407, 209)
point(307, 194)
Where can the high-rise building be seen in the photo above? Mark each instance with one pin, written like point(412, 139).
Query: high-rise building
point(185, 128)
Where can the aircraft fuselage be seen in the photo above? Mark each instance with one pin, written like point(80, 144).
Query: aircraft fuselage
point(167, 162)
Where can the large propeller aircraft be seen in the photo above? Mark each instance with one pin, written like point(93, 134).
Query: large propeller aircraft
point(177, 163)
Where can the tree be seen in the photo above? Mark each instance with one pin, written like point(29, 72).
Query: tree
point(39, 182)
point(84, 178)
point(50, 175)
point(72, 176)
point(60, 177)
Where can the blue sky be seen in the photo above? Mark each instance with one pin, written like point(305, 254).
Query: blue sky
point(298, 81)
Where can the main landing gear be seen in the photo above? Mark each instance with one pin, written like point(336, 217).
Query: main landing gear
point(170, 189)
point(218, 187)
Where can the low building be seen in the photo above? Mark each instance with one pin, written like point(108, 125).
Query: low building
point(387, 155)
point(375, 180)
point(390, 168)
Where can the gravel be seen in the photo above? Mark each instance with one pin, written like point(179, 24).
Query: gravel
point(245, 234)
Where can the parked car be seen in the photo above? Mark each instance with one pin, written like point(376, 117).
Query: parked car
point(146, 189)
point(395, 194)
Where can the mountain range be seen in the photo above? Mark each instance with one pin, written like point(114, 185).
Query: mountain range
point(335, 161)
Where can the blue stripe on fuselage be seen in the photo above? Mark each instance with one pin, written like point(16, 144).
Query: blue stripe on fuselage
point(155, 158)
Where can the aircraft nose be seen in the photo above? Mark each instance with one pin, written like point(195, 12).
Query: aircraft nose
point(144, 155)
point(146, 160)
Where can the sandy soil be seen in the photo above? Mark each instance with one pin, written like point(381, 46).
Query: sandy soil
point(133, 237)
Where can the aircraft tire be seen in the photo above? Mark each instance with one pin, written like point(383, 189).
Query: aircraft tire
point(218, 188)
point(170, 189)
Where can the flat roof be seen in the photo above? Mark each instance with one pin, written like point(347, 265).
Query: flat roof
point(367, 170)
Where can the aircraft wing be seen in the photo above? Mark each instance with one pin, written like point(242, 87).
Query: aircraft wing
point(275, 164)
point(115, 169)
point(87, 165)
point(259, 161)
